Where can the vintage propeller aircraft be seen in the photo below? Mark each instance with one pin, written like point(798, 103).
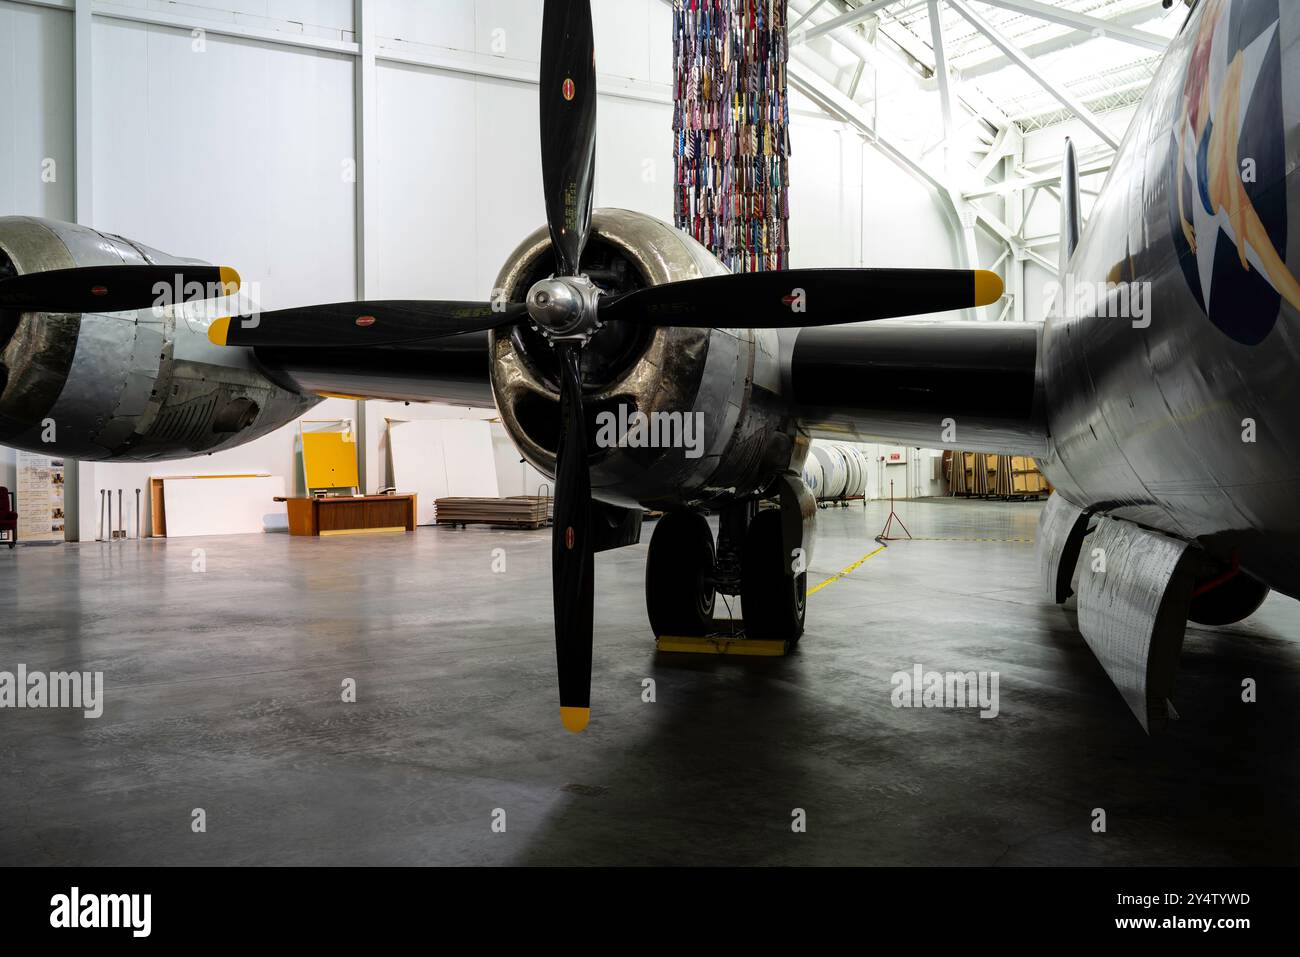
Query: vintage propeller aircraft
point(1139, 426)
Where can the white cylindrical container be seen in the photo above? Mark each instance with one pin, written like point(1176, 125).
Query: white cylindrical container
point(853, 486)
point(835, 472)
point(865, 461)
point(813, 475)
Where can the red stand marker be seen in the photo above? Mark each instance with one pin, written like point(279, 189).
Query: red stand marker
point(884, 535)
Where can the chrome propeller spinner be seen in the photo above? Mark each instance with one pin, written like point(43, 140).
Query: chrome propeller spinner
point(564, 308)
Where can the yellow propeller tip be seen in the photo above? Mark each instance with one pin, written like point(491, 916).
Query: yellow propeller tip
point(988, 287)
point(229, 280)
point(219, 331)
point(575, 719)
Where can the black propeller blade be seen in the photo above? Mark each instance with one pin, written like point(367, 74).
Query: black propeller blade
point(567, 97)
point(572, 555)
point(567, 100)
point(116, 288)
point(803, 297)
point(383, 323)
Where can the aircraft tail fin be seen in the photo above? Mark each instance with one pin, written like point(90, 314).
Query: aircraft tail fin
point(1070, 227)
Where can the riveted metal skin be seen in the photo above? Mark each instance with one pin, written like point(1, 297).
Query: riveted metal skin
point(1133, 600)
point(1151, 418)
point(128, 385)
point(728, 378)
point(1061, 528)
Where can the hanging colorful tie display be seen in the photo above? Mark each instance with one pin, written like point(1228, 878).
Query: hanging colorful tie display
point(731, 123)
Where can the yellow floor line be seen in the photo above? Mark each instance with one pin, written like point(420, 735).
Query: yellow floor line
point(852, 568)
point(845, 571)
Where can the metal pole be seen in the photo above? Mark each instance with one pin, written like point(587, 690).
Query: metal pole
point(137, 513)
point(121, 517)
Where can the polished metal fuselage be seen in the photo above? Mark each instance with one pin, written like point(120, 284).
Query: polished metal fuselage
point(1187, 419)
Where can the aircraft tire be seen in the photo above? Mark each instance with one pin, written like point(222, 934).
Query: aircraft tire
point(678, 596)
point(773, 602)
point(1235, 600)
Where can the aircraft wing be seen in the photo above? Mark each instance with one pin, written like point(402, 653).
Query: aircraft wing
point(930, 384)
point(453, 370)
point(888, 380)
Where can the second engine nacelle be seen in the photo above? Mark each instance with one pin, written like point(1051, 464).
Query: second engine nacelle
point(715, 394)
point(128, 386)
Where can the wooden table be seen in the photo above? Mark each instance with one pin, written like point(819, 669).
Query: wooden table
point(351, 514)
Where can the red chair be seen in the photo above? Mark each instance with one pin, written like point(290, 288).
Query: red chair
point(8, 519)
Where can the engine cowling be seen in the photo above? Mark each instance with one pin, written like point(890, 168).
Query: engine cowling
point(127, 386)
point(721, 388)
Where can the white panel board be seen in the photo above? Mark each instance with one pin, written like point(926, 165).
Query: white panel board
point(417, 464)
point(435, 458)
point(471, 460)
point(223, 506)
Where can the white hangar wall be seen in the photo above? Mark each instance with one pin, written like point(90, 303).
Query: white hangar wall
point(36, 121)
point(239, 131)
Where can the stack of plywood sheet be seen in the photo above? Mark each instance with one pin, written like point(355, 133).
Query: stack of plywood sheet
point(1023, 480)
point(955, 463)
point(979, 480)
point(1018, 477)
point(547, 500)
point(519, 511)
point(1002, 476)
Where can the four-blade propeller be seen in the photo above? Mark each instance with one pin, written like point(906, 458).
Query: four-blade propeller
point(569, 309)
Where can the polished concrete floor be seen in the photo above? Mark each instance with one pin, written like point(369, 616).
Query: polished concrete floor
point(223, 693)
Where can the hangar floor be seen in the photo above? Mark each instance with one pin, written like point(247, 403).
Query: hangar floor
point(223, 693)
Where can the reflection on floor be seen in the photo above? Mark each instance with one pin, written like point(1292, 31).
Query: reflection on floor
point(223, 692)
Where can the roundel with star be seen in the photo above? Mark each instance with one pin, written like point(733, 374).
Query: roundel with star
point(1228, 171)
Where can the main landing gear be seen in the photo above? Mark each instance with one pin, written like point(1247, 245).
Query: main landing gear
point(686, 572)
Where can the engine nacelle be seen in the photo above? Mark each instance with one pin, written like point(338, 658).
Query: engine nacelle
point(715, 394)
point(127, 385)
